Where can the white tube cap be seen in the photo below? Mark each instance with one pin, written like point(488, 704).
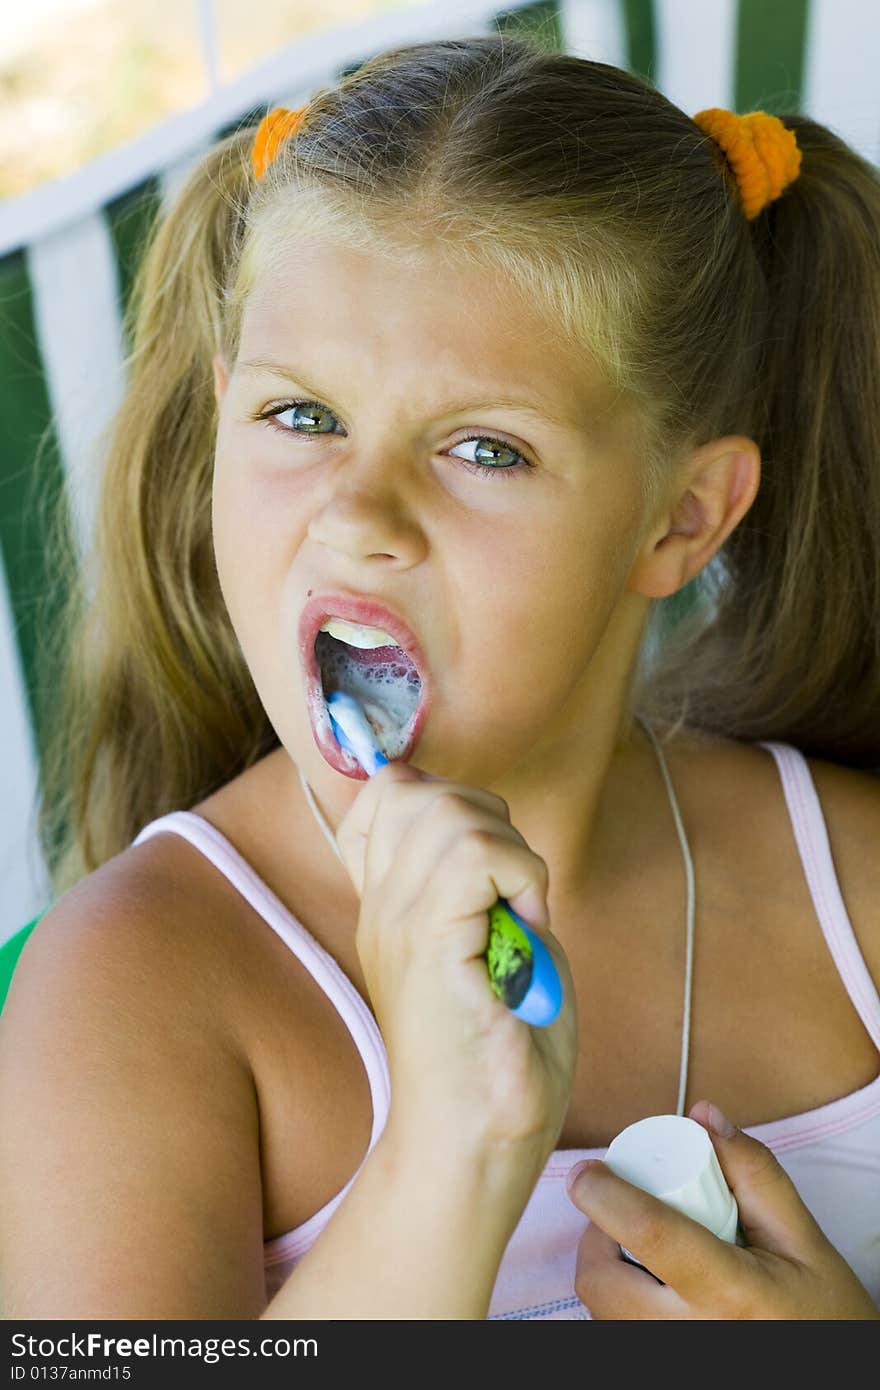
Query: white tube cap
point(671, 1156)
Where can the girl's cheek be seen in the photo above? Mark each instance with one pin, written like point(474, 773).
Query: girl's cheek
point(256, 499)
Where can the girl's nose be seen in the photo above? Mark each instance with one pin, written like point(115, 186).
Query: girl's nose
point(365, 513)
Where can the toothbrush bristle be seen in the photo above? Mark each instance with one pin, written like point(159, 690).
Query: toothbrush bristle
point(353, 730)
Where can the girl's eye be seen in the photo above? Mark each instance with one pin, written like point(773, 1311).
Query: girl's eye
point(312, 411)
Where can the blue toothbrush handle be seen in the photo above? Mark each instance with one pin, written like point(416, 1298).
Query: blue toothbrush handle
point(521, 969)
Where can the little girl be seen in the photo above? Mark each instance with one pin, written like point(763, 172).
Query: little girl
point(250, 1062)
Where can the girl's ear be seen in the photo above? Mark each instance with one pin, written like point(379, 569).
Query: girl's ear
point(720, 485)
point(221, 376)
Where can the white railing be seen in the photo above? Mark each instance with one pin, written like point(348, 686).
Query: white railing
point(285, 78)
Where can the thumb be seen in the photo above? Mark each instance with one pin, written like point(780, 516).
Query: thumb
point(771, 1211)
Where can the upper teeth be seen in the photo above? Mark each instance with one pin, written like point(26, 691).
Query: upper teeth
point(358, 634)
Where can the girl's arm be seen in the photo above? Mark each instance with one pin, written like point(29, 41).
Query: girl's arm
point(478, 1097)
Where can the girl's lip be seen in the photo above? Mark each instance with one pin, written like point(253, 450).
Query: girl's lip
point(356, 609)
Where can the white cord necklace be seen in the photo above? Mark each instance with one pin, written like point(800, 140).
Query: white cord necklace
point(689, 873)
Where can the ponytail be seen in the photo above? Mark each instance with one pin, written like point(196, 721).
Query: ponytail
point(157, 707)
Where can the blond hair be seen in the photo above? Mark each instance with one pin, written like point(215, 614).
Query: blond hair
point(606, 204)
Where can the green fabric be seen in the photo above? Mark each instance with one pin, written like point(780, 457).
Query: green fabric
point(540, 22)
point(9, 954)
point(770, 45)
point(30, 469)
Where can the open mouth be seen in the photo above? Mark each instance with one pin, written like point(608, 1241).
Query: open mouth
point(352, 643)
point(383, 679)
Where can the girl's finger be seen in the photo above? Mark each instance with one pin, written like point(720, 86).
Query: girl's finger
point(444, 889)
point(679, 1251)
point(450, 830)
point(611, 1287)
point(772, 1213)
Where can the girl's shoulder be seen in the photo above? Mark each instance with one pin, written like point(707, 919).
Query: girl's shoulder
point(221, 938)
point(145, 912)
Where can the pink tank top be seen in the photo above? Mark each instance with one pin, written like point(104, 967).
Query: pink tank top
point(832, 1153)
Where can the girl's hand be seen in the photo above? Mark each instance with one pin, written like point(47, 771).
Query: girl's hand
point(428, 858)
point(789, 1270)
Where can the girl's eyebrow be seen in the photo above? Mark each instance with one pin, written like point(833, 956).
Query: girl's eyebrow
point(264, 367)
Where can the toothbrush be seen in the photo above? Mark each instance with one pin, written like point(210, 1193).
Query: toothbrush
point(521, 969)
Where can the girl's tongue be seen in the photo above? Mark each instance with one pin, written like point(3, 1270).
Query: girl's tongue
point(383, 679)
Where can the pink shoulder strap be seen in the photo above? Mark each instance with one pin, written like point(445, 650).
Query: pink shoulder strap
point(811, 834)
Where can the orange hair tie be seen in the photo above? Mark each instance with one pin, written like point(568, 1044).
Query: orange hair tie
point(275, 127)
point(762, 152)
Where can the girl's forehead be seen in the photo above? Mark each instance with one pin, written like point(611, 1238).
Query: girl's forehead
point(376, 279)
point(326, 312)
